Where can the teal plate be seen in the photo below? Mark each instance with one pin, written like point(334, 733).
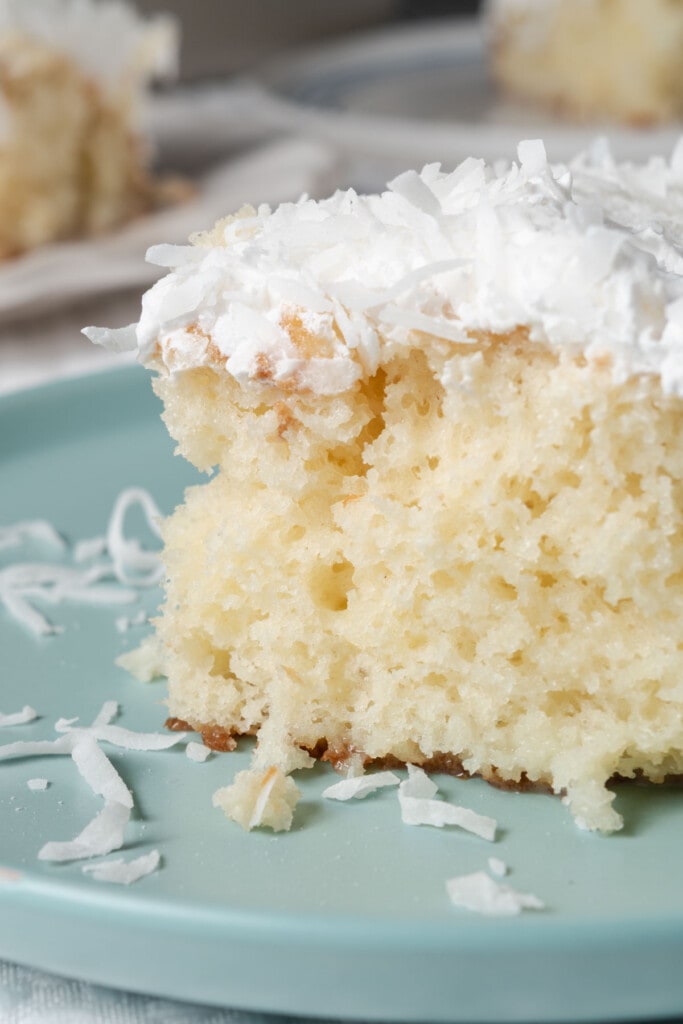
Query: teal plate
point(346, 915)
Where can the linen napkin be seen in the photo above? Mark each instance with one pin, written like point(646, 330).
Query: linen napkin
point(32, 997)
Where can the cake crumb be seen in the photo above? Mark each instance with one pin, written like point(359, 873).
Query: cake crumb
point(260, 799)
point(144, 662)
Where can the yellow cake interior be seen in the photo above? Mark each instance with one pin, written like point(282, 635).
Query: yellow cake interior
point(492, 570)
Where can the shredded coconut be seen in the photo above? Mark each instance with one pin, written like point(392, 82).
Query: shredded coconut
point(88, 549)
point(132, 564)
point(37, 785)
point(124, 872)
point(27, 714)
point(359, 787)
point(116, 580)
point(105, 832)
point(482, 894)
point(561, 250)
point(497, 867)
point(100, 836)
point(424, 810)
point(38, 530)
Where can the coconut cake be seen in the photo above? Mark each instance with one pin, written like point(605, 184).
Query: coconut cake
point(444, 515)
point(591, 60)
point(73, 75)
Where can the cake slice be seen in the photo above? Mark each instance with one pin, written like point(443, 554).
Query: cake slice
point(445, 521)
point(617, 60)
point(73, 74)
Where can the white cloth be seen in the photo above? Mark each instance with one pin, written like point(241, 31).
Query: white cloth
point(33, 997)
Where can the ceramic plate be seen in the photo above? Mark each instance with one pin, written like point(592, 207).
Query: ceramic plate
point(346, 915)
point(419, 93)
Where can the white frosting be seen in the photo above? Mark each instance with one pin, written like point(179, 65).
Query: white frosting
point(107, 38)
point(588, 257)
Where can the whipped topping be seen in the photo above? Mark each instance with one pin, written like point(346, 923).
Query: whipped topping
point(107, 38)
point(587, 257)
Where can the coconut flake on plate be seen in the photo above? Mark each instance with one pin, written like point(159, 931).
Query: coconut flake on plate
point(355, 766)
point(38, 785)
point(64, 724)
point(133, 564)
point(99, 773)
point(88, 549)
point(23, 583)
point(24, 614)
point(100, 836)
point(31, 529)
point(497, 867)
point(27, 714)
point(424, 810)
point(106, 714)
point(124, 872)
point(36, 748)
point(483, 895)
point(418, 784)
point(197, 752)
point(127, 567)
point(358, 787)
point(127, 739)
point(106, 831)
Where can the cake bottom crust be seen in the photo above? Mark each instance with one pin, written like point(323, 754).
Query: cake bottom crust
point(220, 739)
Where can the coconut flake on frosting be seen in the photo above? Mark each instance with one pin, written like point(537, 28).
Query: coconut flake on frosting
point(586, 257)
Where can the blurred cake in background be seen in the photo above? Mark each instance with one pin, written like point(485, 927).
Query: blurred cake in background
point(72, 76)
point(617, 60)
